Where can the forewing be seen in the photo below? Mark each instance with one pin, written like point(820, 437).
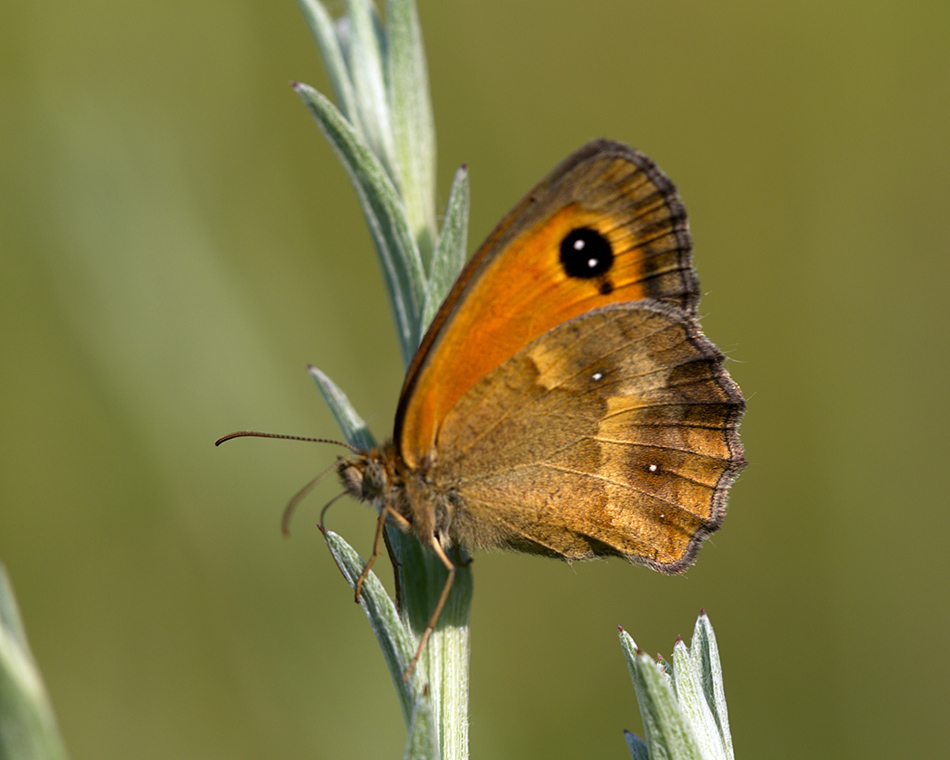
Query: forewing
point(528, 277)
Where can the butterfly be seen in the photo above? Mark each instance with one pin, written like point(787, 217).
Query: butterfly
point(564, 401)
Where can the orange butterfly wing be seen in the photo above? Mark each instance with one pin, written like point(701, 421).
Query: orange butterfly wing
point(605, 226)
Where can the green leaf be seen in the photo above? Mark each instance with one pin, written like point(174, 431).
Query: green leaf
point(395, 640)
point(422, 743)
point(364, 56)
point(27, 725)
point(704, 654)
point(354, 429)
point(450, 253)
point(689, 693)
point(398, 254)
point(324, 32)
point(636, 745)
point(441, 677)
point(682, 702)
point(668, 734)
point(413, 125)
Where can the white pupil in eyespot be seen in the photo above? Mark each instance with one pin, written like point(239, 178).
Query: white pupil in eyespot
point(652, 468)
point(597, 375)
point(578, 245)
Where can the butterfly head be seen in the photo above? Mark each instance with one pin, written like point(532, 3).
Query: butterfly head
point(368, 476)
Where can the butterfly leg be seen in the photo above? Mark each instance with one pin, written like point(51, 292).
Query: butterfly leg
point(437, 612)
point(384, 513)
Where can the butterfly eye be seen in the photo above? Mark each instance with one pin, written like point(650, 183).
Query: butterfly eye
point(585, 253)
point(374, 480)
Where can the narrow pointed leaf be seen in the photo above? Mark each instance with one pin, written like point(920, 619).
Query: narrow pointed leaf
point(395, 641)
point(668, 735)
point(705, 655)
point(450, 253)
point(412, 121)
point(365, 64)
point(324, 32)
point(692, 701)
point(402, 267)
point(636, 745)
point(354, 429)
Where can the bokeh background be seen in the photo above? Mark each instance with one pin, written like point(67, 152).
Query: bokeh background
point(177, 241)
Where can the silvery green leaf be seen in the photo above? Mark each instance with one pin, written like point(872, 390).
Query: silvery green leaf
point(398, 254)
point(704, 654)
point(687, 681)
point(27, 725)
point(450, 253)
point(422, 743)
point(395, 641)
point(365, 56)
point(668, 734)
point(636, 745)
point(354, 428)
point(10, 622)
point(324, 32)
point(412, 123)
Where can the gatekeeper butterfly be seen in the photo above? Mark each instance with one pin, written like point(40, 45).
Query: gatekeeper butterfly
point(564, 400)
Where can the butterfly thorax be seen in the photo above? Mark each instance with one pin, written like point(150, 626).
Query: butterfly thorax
point(381, 478)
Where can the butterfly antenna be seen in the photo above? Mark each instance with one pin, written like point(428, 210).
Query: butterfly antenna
point(257, 434)
point(298, 497)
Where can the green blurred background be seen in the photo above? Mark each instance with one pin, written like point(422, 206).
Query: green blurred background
point(178, 241)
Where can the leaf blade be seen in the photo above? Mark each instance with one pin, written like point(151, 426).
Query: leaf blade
point(347, 418)
point(399, 257)
point(450, 251)
point(413, 125)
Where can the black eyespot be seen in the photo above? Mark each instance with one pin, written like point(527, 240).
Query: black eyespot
point(586, 253)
